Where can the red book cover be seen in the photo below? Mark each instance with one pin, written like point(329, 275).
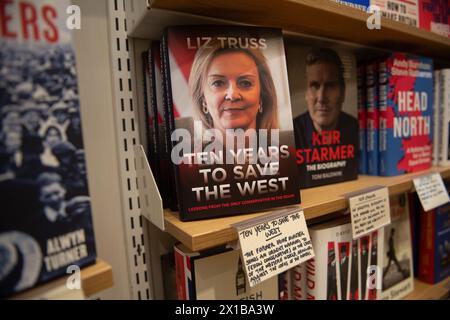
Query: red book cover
point(426, 259)
point(434, 16)
point(180, 275)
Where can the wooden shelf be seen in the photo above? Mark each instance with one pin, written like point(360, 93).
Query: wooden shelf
point(316, 203)
point(316, 18)
point(94, 278)
point(425, 291)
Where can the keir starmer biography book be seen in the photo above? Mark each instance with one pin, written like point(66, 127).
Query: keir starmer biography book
point(45, 219)
point(324, 104)
point(406, 112)
point(230, 120)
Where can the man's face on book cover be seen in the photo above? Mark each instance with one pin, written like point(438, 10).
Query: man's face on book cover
point(232, 91)
point(324, 95)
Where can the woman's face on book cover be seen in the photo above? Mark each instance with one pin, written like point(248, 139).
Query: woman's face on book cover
point(232, 91)
point(324, 95)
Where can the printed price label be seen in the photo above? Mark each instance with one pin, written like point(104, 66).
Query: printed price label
point(275, 244)
point(431, 191)
point(369, 211)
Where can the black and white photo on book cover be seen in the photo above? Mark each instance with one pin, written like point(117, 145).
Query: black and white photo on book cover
point(45, 220)
point(364, 263)
point(331, 273)
point(323, 86)
point(354, 272)
point(344, 267)
point(372, 293)
point(232, 130)
point(335, 267)
point(398, 264)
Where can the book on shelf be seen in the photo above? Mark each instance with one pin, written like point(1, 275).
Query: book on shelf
point(285, 285)
point(398, 273)
point(169, 276)
point(414, 220)
point(218, 274)
point(156, 135)
point(299, 285)
point(373, 118)
point(434, 16)
point(340, 270)
point(437, 118)
point(149, 86)
point(398, 10)
point(45, 220)
point(229, 118)
point(434, 244)
point(406, 112)
point(362, 117)
point(443, 126)
point(323, 86)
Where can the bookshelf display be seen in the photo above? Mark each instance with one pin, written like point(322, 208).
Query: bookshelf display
point(317, 202)
point(304, 19)
point(301, 17)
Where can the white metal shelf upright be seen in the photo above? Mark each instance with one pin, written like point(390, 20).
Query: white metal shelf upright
point(111, 130)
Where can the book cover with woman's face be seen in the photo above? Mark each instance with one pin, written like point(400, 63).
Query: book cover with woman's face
point(232, 139)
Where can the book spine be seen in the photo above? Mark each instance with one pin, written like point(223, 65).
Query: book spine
point(353, 293)
point(311, 280)
point(436, 123)
point(427, 235)
point(442, 243)
point(383, 118)
point(285, 284)
point(299, 282)
point(362, 119)
point(374, 254)
point(403, 11)
point(148, 118)
point(181, 278)
point(364, 263)
point(170, 123)
point(152, 117)
point(414, 218)
point(160, 128)
point(445, 107)
point(372, 119)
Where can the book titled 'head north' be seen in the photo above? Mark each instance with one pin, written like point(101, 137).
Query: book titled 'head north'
point(230, 120)
point(406, 111)
point(45, 209)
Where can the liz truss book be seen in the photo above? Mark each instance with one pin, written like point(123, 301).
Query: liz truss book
point(406, 112)
point(45, 220)
point(230, 121)
point(324, 105)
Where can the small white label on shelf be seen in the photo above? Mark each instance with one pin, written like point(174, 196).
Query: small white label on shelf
point(274, 243)
point(431, 191)
point(369, 211)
